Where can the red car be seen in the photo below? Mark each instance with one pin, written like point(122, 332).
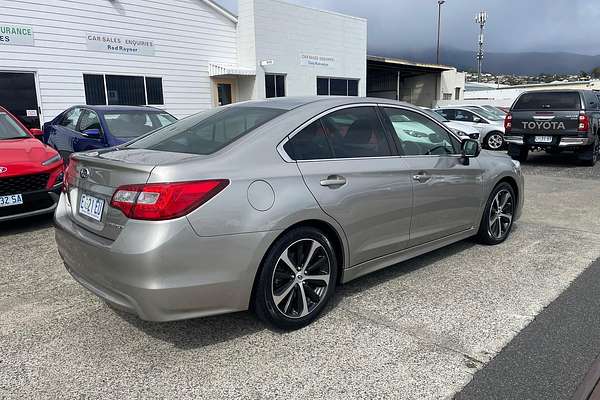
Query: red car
point(31, 173)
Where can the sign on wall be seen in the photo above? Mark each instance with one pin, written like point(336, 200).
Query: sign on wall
point(119, 44)
point(314, 60)
point(16, 34)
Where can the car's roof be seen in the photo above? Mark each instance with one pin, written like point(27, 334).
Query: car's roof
point(102, 109)
point(289, 103)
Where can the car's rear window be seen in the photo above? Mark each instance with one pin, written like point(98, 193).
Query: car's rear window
point(131, 124)
point(208, 132)
point(9, 129)
point(562, 101)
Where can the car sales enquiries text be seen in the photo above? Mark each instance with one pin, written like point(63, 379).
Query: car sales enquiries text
point(119, 44)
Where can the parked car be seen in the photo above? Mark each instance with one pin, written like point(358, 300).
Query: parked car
point(490, 127)
point(83, 128)
point(462, 130)
point(555, 121)
point(294, 197)
point(31, 173)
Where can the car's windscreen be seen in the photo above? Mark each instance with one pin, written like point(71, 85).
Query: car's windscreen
point(10, 129)
point(495, 111)
point(561, 101)
point(131, 124)
point(486, 114)
point(206, 133)
point(436, 116)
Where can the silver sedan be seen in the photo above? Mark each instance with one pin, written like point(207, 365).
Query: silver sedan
point(270, 204)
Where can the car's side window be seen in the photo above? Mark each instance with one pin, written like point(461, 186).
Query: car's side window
point(70, 118)
point(419, 135)
point(447, 113)
point(89, 120)
point(464, 116)
point(309, 144)
point(356, 132)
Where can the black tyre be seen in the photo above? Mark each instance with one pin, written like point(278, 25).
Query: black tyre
point(591, 155)
point(494, 141)
point(297, 279)
point(497, 219)
point(517, 152)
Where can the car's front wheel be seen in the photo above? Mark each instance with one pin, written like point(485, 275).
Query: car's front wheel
point(497, 220)
point(297, 279)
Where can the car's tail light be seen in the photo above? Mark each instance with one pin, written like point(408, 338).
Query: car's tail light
point(508, 123)
point(584, 122)
point(160, 201)
point(69, 177)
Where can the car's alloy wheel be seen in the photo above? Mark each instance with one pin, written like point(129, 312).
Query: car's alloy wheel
point(300, 278)
point(498, 216)
point(297, 278)
point(501, 214)
point(494, 141)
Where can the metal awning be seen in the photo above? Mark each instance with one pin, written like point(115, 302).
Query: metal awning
point(222, 69)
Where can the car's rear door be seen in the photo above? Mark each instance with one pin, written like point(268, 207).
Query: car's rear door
point(65, 132)
point(348, 164)
point(447, 195)
point(543, 117)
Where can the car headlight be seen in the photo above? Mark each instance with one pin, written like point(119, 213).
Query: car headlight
point(51, 160)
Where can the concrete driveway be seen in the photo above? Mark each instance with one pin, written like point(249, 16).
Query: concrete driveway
point(417, 330)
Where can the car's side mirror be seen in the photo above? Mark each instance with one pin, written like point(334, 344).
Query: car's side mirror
point(476, 120)
point(38, 133)
point(470, 149)
point(91, 133)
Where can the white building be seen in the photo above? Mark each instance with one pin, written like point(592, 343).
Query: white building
point(184, 56)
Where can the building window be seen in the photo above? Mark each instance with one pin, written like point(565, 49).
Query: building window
point(154, 91)
point(337, 87)
point(122, 90)
point(274, 85)
point(447, 96)
point(457, 93)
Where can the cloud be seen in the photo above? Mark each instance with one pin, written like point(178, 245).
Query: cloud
point(513, 25)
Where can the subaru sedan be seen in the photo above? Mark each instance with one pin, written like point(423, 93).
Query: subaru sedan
point(268, 205)
point(83, 128)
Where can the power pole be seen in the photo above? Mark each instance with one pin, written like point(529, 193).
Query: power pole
point(480, 19)
point(440, 2)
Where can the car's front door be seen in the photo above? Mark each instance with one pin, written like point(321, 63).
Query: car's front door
point(87, 139)
point(348, 164)
point(447, 195)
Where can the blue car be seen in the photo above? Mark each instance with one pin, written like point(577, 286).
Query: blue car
point(84, 128)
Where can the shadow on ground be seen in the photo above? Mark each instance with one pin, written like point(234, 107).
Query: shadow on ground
point(200, 332)
point(25, 225)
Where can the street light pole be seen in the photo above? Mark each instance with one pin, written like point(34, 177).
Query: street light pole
point(440, 2)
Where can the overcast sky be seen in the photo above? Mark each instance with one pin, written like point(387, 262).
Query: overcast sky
point(513, 25)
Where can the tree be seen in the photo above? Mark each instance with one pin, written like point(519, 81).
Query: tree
point(596, 73)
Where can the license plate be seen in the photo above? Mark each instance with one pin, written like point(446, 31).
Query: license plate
point(91, 206)
point(11, 200)
point(543, 139)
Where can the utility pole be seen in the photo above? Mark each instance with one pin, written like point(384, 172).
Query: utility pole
point(480, 19)
point(440, 2)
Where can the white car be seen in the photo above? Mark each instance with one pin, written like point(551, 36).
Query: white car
point(490, 126)
point(461, 129)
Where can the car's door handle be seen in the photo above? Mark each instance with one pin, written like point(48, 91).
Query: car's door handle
point(421, 177)
point(333, 180)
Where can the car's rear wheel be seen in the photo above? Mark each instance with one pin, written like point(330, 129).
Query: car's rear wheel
point(591, 155)
point(297, 279)
point(497, 220)
point(494, 141)
point(517, 152)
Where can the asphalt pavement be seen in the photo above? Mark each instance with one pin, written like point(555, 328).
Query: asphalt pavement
point(418, 330)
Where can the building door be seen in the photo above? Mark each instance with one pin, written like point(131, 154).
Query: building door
point(19, 96)
point(224, 92)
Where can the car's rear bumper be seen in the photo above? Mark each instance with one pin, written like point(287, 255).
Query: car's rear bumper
point(37, 203)
point(557, 140)
point(163, 271)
